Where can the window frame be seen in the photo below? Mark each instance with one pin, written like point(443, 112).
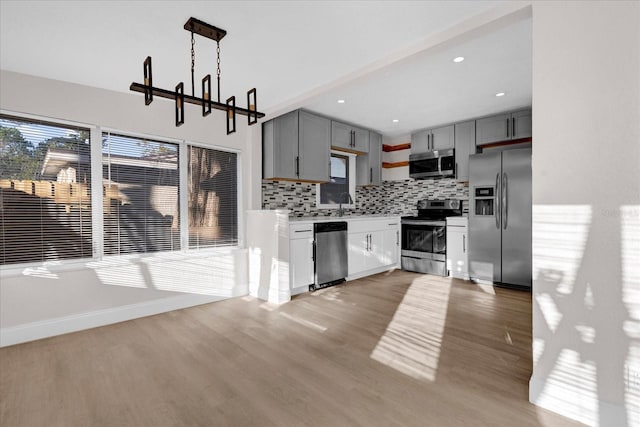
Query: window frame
point(97, 211)
point(352, 184)
point(34, 267)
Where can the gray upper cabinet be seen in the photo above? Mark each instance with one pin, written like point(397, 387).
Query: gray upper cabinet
point(420, 141)
point(296, 146)
point(314, 147)
point(503, 127)
point(349, 138)
point(465, 146)
point(521, 124)
point(369, 166)
point(440, 138)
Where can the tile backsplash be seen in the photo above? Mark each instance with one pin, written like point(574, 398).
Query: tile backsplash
point(390, 198)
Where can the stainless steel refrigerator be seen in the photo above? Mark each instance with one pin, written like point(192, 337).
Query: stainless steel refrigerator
point(500, 217)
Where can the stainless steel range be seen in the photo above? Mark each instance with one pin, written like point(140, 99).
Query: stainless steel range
point(424, 237)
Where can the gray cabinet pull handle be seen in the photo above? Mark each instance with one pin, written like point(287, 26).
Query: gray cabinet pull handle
point(496, 201)
point(507, 128)
point(464, 243)
point(397, 238)
point(370, 175)
point(513, 127)
point(298, 166)
point(505, 200)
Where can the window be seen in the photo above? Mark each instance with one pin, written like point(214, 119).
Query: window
point(45, 191)
point(141, 195)
point(341, 185)
point(213, 198)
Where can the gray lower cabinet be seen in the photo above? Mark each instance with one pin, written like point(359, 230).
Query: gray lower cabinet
point(349, 138)
point(296, 146)
point(465, 146)
point(440, 138)
point(503, 127)
point(369, 165)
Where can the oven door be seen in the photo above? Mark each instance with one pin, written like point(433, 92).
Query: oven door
point(424, 239)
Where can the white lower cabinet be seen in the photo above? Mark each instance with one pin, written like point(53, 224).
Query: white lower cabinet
point(301, 263)
point(373, 245)
point(457, 247)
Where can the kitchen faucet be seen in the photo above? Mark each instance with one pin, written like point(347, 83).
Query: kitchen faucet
point(340, 199)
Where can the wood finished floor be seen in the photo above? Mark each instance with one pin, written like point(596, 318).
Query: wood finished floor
point(395, 349)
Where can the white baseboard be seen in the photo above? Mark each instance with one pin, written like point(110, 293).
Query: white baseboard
point(602, 414)
point(78, 322)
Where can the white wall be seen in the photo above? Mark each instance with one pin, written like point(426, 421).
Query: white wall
point(57, 299)
point(586, 196)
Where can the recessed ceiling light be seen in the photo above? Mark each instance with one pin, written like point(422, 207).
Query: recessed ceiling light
point(395, 120)
point(458, 59)
point(500, 94)
point(340, 101)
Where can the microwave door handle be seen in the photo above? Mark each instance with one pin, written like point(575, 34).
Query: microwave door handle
point(496, 201)
point(505, 200)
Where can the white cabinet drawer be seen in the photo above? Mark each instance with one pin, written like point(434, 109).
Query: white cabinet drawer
point(300, 231)
point(361, 226)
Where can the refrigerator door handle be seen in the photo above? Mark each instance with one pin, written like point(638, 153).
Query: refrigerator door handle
point(505, 200)
point(496, 201)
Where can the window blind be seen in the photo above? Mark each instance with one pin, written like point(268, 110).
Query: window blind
point(45, 191)
point(213, 198)
point(141, 191)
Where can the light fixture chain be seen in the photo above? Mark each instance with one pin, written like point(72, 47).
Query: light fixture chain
point(193, 65)
point(218, 53)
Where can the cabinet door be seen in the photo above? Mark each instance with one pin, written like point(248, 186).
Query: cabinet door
point(420, 142)
point(377, 256)
point(465, 146)
point(301, 264)
point(521, 124)
point(457, 253)
point(442, 138)
point(375, 158)
point(358, 252)
point(369, 166)
point(285, 144)
point(493, 129)
point(361, 140)
point(391, 245)
point(314, 146)
point(341, 136)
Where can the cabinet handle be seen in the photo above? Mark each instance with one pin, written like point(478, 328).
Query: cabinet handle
point(353, 138)
point(370, 175)
point(513, 127)
point(313, 255)
point(507, 128)
point(297, 166)
point(429, 143)
point(397, 238)
point(370, 242)
point(464, 243)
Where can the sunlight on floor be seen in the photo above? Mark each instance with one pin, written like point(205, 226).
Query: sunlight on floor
point(411, 343)
point(303, 322)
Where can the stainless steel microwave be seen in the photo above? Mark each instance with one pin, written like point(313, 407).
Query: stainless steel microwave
point(431, 164)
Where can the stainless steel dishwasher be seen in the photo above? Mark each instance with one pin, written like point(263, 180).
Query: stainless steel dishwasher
point(330, 254)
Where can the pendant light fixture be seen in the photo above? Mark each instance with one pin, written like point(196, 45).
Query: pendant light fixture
point(195, 26)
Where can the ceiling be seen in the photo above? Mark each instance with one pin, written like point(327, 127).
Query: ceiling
point(312, 52)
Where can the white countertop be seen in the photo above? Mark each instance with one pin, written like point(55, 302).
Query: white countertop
point(341, 218)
